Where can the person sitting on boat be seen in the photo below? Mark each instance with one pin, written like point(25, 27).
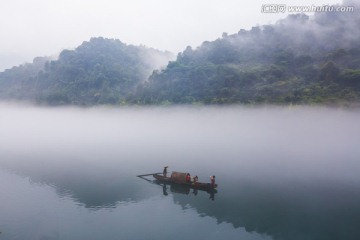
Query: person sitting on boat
point(165, 171)
point(188, 178)
point(212, 180)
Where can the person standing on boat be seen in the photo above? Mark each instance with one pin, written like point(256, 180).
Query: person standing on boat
point(212, 180)
point(196, 179)
point(165, 171)
point(188, 178)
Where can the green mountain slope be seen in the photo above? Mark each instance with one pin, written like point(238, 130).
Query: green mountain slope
point(297, 60)
point(18, 82)
point(100, 71)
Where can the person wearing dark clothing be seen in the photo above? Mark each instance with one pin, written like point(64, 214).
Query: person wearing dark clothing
point(165, 171)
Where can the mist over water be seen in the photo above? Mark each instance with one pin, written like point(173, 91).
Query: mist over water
point(283, 172)
point(313, 141)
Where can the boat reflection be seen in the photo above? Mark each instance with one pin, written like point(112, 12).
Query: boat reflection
point(181, 189)
point(304, 209)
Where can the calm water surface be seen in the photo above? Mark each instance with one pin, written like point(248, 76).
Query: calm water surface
point(283, 173)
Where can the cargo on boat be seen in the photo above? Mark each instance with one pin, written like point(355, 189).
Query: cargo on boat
point(181, 178)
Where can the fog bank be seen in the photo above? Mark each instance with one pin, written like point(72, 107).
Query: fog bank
point(263, 142)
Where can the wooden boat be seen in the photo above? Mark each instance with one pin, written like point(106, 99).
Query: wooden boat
point(179, 178)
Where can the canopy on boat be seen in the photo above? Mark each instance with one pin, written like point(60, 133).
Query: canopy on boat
point(178, 177)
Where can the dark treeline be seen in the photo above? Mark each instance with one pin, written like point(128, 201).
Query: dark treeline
point(298, 60)
point(100, 71)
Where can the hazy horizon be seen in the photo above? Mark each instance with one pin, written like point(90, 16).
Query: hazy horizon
point(44, 28)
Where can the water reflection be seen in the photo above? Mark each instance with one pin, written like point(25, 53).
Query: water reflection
point(308, 209)
point(182, 189)
point(312, 210)
point(287, 174)
point(93, 187)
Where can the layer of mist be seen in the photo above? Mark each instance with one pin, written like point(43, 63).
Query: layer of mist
point(318, 142)
point(282, 172)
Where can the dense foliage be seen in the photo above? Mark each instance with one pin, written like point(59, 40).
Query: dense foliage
point(101, 71)
point(18, 83)
point(298, 60)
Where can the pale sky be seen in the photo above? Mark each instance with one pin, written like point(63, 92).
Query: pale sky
point(31, 28)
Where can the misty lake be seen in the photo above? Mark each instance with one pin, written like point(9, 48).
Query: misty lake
point(283, 173)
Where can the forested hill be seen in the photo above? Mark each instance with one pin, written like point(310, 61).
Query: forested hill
point(99, 71)
point(299, 59)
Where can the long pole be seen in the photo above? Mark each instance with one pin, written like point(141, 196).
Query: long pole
point(143, 175)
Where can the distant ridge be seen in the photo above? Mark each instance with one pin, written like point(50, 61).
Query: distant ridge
point(298, 60)
point(99, 71)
